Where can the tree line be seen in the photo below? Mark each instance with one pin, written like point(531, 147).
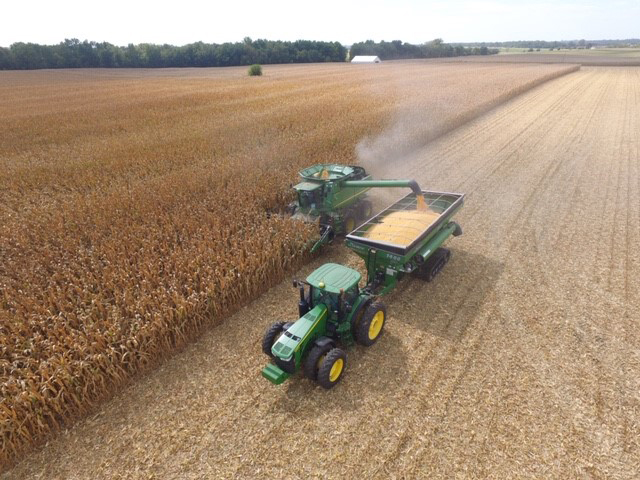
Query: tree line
point(73, 53)
point(558, 44)
point(396, 49)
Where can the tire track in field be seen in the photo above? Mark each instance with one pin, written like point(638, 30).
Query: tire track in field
point(458, 378)
point(532, 223)
point(497, 121)
point(576, 137)
point(507, 111)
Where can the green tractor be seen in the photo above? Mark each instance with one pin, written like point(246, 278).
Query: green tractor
point(333, 312)
point(336, 313)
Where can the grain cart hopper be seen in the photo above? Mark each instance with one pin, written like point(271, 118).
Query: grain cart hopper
point(335, 312)
point(334, 196)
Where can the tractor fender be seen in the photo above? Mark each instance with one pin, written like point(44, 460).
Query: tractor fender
point(324, 341)
point(359, 310)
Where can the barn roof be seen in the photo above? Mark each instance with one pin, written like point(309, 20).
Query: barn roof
point(365, 59)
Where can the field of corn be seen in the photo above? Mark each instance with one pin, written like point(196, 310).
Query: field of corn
point(134, 206)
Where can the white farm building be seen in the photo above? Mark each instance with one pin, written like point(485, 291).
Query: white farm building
point(365, 59)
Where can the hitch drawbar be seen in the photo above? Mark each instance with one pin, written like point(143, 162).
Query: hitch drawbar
point(274, 374)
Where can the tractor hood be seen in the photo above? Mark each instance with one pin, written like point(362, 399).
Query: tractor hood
point(297, 333)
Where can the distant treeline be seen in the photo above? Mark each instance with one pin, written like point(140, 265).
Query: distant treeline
point(72, 53)
point(556, 44)
point(434, 49)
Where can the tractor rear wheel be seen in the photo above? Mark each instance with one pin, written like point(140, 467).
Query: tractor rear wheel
point(331, 368)
point(313, 360)
point(271, 336)
point(371, 324)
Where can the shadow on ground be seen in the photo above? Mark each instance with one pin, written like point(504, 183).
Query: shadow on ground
point(447, 306)
point(378, 369)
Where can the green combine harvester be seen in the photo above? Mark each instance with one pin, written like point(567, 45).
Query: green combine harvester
point(334, 197)
point(334, 311)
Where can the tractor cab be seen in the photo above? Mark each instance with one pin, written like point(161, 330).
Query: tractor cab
point(333, 290)
point(331, 281)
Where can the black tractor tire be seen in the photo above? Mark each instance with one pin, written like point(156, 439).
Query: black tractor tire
point(349, 223)
point(332, 368)
point(370, 326)
point(311, 363)
point(366, 209)
point(434, 265)
point(271, 335)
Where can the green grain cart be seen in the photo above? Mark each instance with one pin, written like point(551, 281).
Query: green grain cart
point(335, 312)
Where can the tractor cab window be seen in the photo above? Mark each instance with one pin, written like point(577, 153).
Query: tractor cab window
point(322, 296)
point(351, 294)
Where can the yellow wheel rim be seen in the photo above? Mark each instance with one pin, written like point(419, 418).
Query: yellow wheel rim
point(350, 225)
point(336, 369)
point(376, 324)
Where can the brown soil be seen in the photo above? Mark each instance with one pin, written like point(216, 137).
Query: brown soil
point(521, 360)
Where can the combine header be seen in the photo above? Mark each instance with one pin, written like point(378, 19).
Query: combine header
point(334, 311)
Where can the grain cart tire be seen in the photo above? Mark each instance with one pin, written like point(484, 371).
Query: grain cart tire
point(331, 368)
point(312, 361)
point(349, 223)
point(435, 264)
point(271, 335)
point(371, 324)
point(366, 208)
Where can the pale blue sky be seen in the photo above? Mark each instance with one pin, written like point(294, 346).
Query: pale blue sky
point(121, 22)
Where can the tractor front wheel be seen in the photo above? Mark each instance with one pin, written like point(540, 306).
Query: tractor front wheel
point(371, 324)
point(331, 368)
point(271, 336)
point(313, 361)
